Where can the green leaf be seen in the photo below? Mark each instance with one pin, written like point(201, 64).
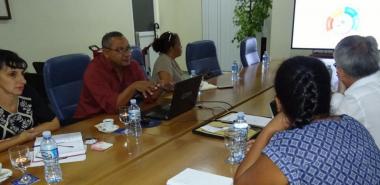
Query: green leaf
point(249, 17)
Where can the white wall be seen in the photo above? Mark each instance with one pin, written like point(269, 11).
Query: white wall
point(218, 26)
point(183, 17)
point(41, 29)
point(281, 30)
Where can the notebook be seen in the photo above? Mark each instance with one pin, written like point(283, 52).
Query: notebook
point(195, 177)
point(184, 98)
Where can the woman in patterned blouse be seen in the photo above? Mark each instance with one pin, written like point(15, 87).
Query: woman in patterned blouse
point(303, 144)
point(23, 114)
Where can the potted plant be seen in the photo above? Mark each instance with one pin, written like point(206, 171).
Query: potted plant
point(249, 17)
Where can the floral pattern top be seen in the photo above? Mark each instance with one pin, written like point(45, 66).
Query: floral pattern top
point(15, 123)
point(32, 110)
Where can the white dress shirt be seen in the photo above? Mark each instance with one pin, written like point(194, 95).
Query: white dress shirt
point(362, 102)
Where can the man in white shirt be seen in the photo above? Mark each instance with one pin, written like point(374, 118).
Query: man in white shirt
point(357, 64)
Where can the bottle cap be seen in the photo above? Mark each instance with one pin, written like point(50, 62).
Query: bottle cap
point(240, 115)
point(46, 134)
point(133, 101)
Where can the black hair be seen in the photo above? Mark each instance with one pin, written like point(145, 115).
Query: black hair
point(303, 87)
point(106, 40)
point(12, 60)
point(164, 42)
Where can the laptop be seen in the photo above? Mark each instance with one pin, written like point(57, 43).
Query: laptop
point(184, 98)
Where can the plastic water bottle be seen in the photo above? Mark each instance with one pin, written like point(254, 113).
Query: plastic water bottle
point(241, 126)
point(193, 73)
point(49, 152)
point(265, 58)
point(134, 115)
point(234, 71)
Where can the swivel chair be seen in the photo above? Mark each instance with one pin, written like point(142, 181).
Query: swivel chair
point(248, 52)
point(63, 78)
point(139, 57)
point(201, 57)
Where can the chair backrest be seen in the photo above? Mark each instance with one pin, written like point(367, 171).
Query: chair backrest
point(38, 67)
point(201, 56)
point(248, 52)
point(139, 57)
point(36, 81)
point(63, 78)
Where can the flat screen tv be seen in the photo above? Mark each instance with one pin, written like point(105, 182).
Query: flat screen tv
point(321, 24)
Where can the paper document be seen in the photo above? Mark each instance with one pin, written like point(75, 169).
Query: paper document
point(212, 129)
point(207, 86)
point(70, 148)
point(194, 177)
point(258, 121)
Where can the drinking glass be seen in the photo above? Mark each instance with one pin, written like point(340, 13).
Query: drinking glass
point(230, 135)
point(123, 117)
point(20, 157)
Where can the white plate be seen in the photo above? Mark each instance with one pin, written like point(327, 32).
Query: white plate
point(101, 129)
point(5, 174)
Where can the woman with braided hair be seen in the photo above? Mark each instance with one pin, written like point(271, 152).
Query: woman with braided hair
point(304, 144)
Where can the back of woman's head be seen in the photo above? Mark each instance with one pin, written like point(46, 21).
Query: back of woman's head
point(12, 60)
point(303, 87)
point(164, 42)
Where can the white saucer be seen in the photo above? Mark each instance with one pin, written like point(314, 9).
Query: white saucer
point(5, 174)
point(109, 130)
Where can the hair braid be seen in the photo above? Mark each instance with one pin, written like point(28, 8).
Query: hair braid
point(306, 94)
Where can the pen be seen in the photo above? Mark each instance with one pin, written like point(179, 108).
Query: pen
point(69, 146)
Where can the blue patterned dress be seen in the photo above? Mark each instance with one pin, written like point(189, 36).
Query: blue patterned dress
point(329, 151)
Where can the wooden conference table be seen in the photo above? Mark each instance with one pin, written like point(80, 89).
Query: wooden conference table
point(163, 151)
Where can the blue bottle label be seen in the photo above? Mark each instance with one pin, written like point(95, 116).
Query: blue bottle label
point(50, 154)
point(133, 114)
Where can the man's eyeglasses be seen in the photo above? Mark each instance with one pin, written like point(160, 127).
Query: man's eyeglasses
point(121, 50)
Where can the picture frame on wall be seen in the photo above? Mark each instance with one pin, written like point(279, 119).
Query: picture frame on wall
point(5, 12)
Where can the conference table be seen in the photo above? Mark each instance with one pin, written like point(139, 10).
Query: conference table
point(165, 150)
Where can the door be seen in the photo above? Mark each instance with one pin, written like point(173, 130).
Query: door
point(144, 18)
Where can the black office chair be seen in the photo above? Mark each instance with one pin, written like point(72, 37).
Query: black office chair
point(36, 81)
point(201, 57)
point(38, 67)
point(248, 52)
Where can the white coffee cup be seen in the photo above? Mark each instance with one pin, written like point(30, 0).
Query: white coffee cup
point(108, 120)
point(107, 124)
